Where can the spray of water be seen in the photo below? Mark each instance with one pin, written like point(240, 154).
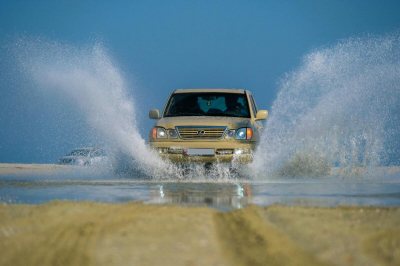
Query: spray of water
point(88, 77)
point(340, 108)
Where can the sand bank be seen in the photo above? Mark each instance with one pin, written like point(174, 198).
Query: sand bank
point(11, 169)
point(87, 233)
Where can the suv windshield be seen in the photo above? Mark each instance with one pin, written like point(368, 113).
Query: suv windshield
point(207, 104)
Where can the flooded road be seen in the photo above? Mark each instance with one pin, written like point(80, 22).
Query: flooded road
point(219, 195)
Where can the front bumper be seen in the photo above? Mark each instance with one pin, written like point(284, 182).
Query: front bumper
point(71, 161)
point(224, 152)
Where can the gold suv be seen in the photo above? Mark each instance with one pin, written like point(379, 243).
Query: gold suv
point(207, 126)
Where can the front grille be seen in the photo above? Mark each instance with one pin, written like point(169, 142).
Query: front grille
point(201, 132)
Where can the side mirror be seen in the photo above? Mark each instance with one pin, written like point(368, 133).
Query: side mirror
point(154, 114)
point(262, 115)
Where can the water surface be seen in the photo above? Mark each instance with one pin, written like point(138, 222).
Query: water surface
point(220, 195)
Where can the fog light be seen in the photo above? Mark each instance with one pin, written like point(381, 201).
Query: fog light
point(224, 152)
point(175, 150)
point(242, 151)
point(162, 150)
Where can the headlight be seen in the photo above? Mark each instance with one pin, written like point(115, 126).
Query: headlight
point(159, 133)
point(244, 133)
point(230, 134)
point(172, 133)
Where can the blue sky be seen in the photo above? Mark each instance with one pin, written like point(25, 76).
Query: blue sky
point(164, 45)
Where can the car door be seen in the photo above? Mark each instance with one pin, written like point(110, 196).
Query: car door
point(99, 157)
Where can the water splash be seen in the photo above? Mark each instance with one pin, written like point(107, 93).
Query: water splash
point(89, 77)
point(339, 109)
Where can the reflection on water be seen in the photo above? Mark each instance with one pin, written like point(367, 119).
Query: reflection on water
point(223, 196)
point(230, 195)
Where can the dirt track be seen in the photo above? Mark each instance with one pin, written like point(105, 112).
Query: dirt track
point(87, 233)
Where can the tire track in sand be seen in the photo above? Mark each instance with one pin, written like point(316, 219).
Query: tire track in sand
point(248, 239)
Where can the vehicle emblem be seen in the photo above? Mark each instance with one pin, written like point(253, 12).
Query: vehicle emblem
point(201, 132)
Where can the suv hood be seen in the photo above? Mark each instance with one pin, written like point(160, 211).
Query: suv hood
point(230, 122)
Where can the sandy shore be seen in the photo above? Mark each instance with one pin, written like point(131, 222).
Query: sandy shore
point(87, 233)
point(11, 169)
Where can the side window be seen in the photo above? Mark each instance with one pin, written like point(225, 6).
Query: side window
point(253, 105)
point(99, 153)
point(254, 101)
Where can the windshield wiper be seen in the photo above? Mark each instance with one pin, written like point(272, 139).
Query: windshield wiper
point(229, 115)
point(197, 114)
point(185, 114)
